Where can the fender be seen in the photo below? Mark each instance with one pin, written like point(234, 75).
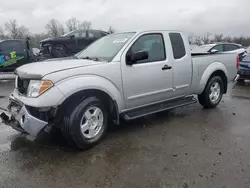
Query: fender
point(74, 84)
point(209, 71)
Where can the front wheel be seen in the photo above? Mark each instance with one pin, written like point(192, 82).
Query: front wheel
point(212, 94)
point(85, 124)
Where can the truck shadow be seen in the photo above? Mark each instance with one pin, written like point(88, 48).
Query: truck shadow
point(55, 140)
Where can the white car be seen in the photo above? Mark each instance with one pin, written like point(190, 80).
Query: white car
point(220, 47)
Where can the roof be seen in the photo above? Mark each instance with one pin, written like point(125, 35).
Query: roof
point(214, 44)
point(148, 30)
point(11, 40)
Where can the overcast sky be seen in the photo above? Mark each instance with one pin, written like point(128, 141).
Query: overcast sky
point(230, 17)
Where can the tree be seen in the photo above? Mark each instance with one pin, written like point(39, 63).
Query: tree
point(15, 31)
point(85, 25)
point(2, 35)
point(197, 40)
point(191, 39)
point(206, 38)
point(54, 28)
point(228, 39)
point(23, 32)
point(73, 24)
point(111, 30)
point(218, 37)
point(36, 38)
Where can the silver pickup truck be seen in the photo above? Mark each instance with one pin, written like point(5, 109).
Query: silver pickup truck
point(124, 75)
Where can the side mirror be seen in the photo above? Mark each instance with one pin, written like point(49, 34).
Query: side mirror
point(213, 51)
point(137, 56)
point(72, 36)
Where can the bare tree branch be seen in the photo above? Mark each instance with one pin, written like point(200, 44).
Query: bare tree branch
point(85, 25)
point(111, 30)
point(206, 38)
point(2, 35)
point(197, 40)
point(73, 24)
point(218, 37)
point(54, 28)
point(16, 31)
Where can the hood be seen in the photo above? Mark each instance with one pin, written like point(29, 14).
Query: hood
point(38, 70)
point(54, 39)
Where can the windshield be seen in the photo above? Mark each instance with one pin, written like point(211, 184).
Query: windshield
point(202, 49)
point(107, 47)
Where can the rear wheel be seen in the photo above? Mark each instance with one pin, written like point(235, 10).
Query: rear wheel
point(85, 124)
point(213, 92)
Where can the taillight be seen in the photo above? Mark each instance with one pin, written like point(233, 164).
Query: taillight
point(237, 62)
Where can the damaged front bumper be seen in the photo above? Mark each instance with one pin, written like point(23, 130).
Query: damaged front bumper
point(20, 119)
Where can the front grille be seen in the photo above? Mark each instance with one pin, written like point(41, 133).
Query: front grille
point(22, 85)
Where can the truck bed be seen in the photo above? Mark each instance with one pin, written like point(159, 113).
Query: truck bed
point(202, 62)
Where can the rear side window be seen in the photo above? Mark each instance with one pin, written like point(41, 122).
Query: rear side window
point(178, 46)
point(230, 47)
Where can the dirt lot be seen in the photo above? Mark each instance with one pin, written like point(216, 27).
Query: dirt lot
point(186, 147)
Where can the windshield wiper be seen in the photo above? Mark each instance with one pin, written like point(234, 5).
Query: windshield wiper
point(90, 58)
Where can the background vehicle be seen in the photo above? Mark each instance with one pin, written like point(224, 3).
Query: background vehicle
point(244, 68)
point(220, 47)
point(70, 43)
point(126, 75)
point(14, 53)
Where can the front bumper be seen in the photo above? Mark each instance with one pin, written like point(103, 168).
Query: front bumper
point(244, 74)
point(21, 120)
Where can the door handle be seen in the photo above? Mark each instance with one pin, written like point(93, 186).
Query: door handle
point(166, 67)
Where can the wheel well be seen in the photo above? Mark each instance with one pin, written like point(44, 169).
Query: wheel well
point(223, 76)
point(108, 102)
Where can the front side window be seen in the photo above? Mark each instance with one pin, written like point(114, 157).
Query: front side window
point(80, 34)
point(219, 48)
point(76, 33)
point(153, 44)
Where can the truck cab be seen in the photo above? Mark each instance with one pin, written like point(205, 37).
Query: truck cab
point(14, 53)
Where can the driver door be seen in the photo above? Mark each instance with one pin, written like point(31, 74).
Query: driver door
point(147, 81)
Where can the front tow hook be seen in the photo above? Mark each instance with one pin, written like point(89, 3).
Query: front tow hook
point(236, 78)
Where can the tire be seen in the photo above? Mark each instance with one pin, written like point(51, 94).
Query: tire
point(58, 50)
point(76, 117)
point(211, 102)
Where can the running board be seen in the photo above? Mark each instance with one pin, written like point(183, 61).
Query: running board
point(151, 109)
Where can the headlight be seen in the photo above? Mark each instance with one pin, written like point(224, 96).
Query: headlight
point(38, 87)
